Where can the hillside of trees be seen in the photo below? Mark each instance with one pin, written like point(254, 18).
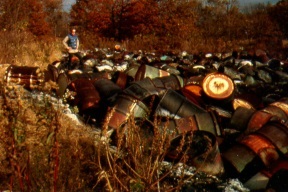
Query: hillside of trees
point(193, 25)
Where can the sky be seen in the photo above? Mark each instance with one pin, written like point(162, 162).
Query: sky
point(67, 3)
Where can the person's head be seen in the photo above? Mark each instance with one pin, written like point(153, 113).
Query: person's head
point(73, 31)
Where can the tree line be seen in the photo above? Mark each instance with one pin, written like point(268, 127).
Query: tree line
point(212, 25)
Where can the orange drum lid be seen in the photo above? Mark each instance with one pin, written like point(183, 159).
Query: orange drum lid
point(193, 93)
point(122, 80)
point(218, 86)
point(238, 102)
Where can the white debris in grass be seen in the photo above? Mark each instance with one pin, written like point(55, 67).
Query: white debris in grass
point(234, 185)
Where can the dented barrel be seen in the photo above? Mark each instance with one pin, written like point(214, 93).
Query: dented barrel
point(64, 79)
point(29, 77)
point(126, 107)
point(147, 87)
point(198, 122)
point(108, 90)
point(83, 94)
point(198, 149)
point(149, 71)
point(256, 151)
point(250, 120)
point(175, 105)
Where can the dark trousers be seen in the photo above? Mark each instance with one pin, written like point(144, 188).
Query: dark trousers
point(77, 54)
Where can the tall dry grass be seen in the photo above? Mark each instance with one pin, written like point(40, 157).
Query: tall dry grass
point(42, 149)
point(22, 48)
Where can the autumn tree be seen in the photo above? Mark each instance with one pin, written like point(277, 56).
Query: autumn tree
point(37, 23)
point(117, 19)
point(279, 15)
point(56, 17)
point(177, 21)
point(24, 15)
point(13, 14)
point(219, 19)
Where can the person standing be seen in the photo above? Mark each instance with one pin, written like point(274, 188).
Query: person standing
point(71, 43)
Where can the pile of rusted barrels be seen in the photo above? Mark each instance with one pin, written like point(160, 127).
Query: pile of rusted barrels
point(235, 104)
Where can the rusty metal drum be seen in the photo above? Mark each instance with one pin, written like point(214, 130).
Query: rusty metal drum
point(257, 120)
point(149, 71)
point(241, 162)
point(51, 73)
point(194, 93)
point(175, 105)
point(198, 122)
point(218, 88)
point(28, 77)
point(249, 155)
point(132, 70)
point(261, 146)
point(142, 89)
point(126, 107)
point(108, 90)
point(121, 79)
point(147, 87)
point(200, 149)
point(277, 133)
point(64, 79)
point(282, 104)
point(173, 82)
point(240, 118)
point(84, 95)
point(276, 110)
point(62, 82)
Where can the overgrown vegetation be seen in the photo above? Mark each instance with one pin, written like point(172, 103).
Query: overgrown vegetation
point(41, 149)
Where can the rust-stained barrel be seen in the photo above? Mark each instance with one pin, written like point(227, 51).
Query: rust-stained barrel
point(277, 133)
point(251, 154)
point(218, 88)
point(198, 122)
point(276, 110)
point(282, 104)
point(238, 102)
point(149, 71)
point(173, 82)
point(64, 79)
point(240, 118)
point(241, 162)
point(108, 90)
point(250, 120)
point(261, 146)
point(142, 89)
point(52, 73)
point(62, 82)
point(29, 77)
point(258, 119)
point(259, 182)
point(209, 161)
point(147, 87)
point(175, 105)
point(132, 70)
point(201, 150)
point(126, 106)
point(121, 79)
point(194, 93)
point(87, 97)
point(250, 101)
